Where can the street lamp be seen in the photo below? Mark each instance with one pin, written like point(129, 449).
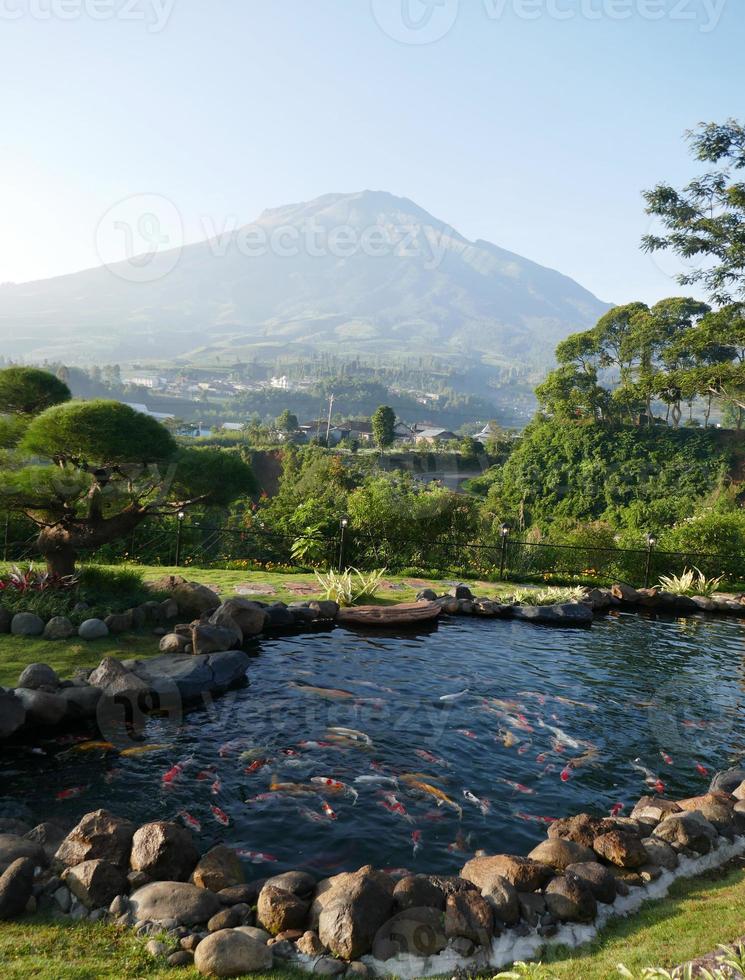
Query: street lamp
point(651, 542)
point(343, 525)
point(181, 515)
point(504, 531)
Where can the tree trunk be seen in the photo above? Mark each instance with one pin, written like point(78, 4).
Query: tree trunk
point(60, 543)
point(56, 546)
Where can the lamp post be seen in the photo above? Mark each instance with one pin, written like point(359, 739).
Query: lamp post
point(181, 515)
point(504, 532)
point(651, 542)
point(343, 525)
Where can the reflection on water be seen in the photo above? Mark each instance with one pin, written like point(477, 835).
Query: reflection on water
point(553, 722)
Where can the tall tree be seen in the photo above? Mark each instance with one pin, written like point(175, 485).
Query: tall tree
point(384, 426)
point(706, 219)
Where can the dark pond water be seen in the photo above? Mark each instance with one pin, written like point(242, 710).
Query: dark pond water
point(554, 722)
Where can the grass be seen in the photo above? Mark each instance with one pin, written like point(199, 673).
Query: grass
point(698, 915)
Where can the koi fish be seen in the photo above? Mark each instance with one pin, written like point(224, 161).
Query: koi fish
point(518, 787)
point(701, 770)
point(467, 733)
point(220, 815)
point(483, 805)
point(575, 704)
point(256, 765)
point(93, 747)
point(257, 857)
point(508, 739)
point(311, 815)
point(336, 786)
point(142, 749)
point(461, 844)
point(654, 782)
point(259, 752)
point(393, 805)
point(175, 771)
point(533, 818)
point(667, 759)
point(327, 810)
point(294, 789)
point(204, 774)
point(290, 753)
point(566, 774)
point(506, 705)
point(525, 747)
point(216, 787)
point(416, 840)
point(561, 736)
point(328, 693)
point(190, 821)
point(616, 809)
point(540, 698)
point(308, 746)
point(582, 760)
point(430, 757)
point(351, 734)
point(540, 758)
point(455, 697)
point(71, 793)
point(434, 791)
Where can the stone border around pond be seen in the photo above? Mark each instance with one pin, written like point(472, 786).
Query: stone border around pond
point(499, 909)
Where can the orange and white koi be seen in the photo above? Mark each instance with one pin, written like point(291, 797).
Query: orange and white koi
point(142, 750)
point(256, 765)
point(327, 810)
point(220, 815)
point(442, 798)
point(335, 786)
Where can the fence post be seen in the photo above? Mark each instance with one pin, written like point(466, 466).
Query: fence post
point(179, 525)
point(651, 542)
point(343, 524)
point(504, 531)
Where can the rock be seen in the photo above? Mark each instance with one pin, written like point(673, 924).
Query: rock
point(461, 592)
point(98, 836)
point(298, 882)
point(739, 791)
point(327, 966)
point(727, 781)
point(241, 894)
point(599, 599)
point(95, 883)
point(164, 851)
point(231, 953)
point(45, 710)
point(469, 915)
point(207, 639)
point(582, 828)
point(38, 675)
point(717, 808)
point(114, 679)
point(175, 902)
point(310, 945)
point(13, 847)
point(418, 891)
point(26, 624)
point(157, 949)
point(660, 853)
point(16, 883)
point(654, 808)
point(15, 827)
point(358, 969)
point(415, 931)
point(278, 910)
point(621, 849)
point(689, 830)
point(188, 677)
point(558, 853)
point(12, 714)
point(503, 899)
point(625, 593)
point(63, 898)
point(182, 957)
point(93, 629)
point(259, 934)
point(349, 910)
point(224, 919)
point(428, 595)
point(80, 702)
point(561, 614)
point(173, 643)
point(532, 907)
point(219, 868)
point(569, 899)
point(598, 879)
point(526, 875)
point(326, 608)
point(120, 622)
point(248, 617)
point(279, 617)
point(194, 599)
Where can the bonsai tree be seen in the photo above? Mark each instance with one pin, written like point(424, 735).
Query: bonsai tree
point(87, 473)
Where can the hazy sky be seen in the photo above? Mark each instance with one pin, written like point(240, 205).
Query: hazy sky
point(532, 123)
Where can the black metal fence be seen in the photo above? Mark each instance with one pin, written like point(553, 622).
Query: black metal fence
point(186, 543)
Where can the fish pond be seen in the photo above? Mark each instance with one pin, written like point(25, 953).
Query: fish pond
point(412, 751)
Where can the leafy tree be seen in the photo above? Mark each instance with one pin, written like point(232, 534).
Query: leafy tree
point(384, 426)
point(87, 473)
point(706, 219)
point(27, 391)
point(287, 422)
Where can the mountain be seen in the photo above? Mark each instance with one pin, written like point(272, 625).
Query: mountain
point(359, 273)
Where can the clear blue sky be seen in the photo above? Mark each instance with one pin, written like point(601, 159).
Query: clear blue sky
point(537, 134)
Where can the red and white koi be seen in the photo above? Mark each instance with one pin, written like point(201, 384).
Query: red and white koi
point(216, 787)
point(533, 818)
point(416, 840)
point(176, 770)
point(257, 857)
point(431, 758)
point(616, 810)
point(310, 745)
point(701, 770)
point(467, 733)
point(393, 805)
point(71, 793)
point(191, 822)
point(255, 766)
point(220, 815)
point(518, 787)
point(336, 786)
point(667, 759)
point(327, 810)
point(483, 805)
point(566, 774)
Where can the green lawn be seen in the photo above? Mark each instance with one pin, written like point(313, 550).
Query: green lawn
point(698, 916)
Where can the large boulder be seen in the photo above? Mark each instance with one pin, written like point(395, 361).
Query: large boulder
point(13, 847)
point(622, 849)
point(570, 899)
point(562, 614)
point(416, 931)
point(727, 781)
point(503, 899)
point(95, 883)
point(59, 628)
point(80, 702)
point(16, 884)
point(526, 875)
point(217, 869)
point(581, 828)
point(49, 835)
point(468, 915)
point(298, 882)
point(717, 808)
point(120, 622)
point(164, 851)
point(660, 853)
point(114, 679)
point(98, 836)
point(175, 902)
point(600, 881)
point(93, 629)
point(249, 617)
point(232, 953)
point(652, 809)
point(38, 675)
point(194, 599)
point(418, 891)
point(326, 608)
point(174, 643)
point(207, 639)
point(41, 708)
point(12, 714)
point(687, 830)
point(558, 853)
point(26, 624)
point(278, 910)
point(350, 908)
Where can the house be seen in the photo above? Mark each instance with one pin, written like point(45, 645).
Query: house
point(360, 430)
point(433, 436)
point(144, 410)
point(316, 429)
point(403, 432)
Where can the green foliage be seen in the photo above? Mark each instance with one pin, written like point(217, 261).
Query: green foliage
point(553, 595)
point(350, 586)
point(706, 532)
point(28, 391)
point(287, 422)
point(310, 547)
point(691, 581)
point(217, 474)
point(383, 426)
